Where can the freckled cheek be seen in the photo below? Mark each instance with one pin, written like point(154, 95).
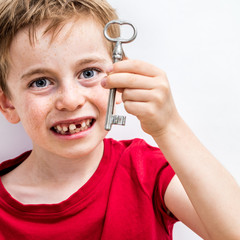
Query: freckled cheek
point(33, 119)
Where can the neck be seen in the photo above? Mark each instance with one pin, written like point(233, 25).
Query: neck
point(48, 168)
point(46, 178)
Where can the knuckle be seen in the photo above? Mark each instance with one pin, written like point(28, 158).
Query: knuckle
point(163, 86)
point(161, 99)
point(151, 112)
point(165, 89)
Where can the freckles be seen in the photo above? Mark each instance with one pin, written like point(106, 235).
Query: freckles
point(35, 112)
point(34, 117)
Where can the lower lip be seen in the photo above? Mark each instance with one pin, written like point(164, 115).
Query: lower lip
point(74, 136)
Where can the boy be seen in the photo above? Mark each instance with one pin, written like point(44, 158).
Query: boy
point(56, 70)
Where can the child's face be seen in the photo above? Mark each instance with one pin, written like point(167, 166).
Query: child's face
point(55, 88)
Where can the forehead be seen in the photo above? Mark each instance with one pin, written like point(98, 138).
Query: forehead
point(76, 32)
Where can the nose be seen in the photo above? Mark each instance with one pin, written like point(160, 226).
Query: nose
point(70, 98)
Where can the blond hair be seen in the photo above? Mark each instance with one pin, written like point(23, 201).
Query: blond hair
point(18, 14)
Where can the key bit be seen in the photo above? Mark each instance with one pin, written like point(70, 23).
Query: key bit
point(117, 56)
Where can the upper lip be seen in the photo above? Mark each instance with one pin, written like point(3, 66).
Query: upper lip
point(72, 121)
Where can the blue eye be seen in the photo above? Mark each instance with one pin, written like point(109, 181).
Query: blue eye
point(40, 83)
point(89, 73)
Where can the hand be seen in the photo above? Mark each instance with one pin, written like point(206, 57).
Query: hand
point(145, 94)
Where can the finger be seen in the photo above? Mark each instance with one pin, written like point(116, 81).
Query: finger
point(138, 109)
point(137, 95)
point(137, 67)
point(129, 80)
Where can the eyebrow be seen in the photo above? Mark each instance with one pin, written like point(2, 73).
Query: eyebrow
point(91, 60)
point(81, 62)
point(35, 71)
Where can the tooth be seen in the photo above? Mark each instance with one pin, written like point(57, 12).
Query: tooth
point(58, 128)
point(65, 129)
point(83, 124)
point(88, 122)
point(72, 127)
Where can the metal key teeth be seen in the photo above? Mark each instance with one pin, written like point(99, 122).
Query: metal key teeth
point(119, 120)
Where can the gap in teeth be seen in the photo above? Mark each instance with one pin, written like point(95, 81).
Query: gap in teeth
point(73, 128)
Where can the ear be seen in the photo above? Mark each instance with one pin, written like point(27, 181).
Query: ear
point(7, 109)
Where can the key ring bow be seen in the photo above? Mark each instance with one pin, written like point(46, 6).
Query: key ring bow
point(118, 51)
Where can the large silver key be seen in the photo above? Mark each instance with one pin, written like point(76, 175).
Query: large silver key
point(117, 56)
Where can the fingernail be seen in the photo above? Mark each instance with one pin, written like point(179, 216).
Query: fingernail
point(104, 81)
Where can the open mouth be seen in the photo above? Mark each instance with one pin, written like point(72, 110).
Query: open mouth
point(73, 128)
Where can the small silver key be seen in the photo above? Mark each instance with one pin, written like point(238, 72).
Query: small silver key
point(117, 56)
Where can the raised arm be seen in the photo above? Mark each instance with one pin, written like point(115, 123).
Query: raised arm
point(213, 196)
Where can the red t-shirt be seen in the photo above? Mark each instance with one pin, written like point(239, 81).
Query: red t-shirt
point(122, 200)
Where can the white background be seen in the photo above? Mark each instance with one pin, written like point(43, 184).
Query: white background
point(198, 44)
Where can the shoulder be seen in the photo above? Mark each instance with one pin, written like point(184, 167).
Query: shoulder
point(131, 144)
point(137, 150)
point(8, 165)
point(142, 162)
